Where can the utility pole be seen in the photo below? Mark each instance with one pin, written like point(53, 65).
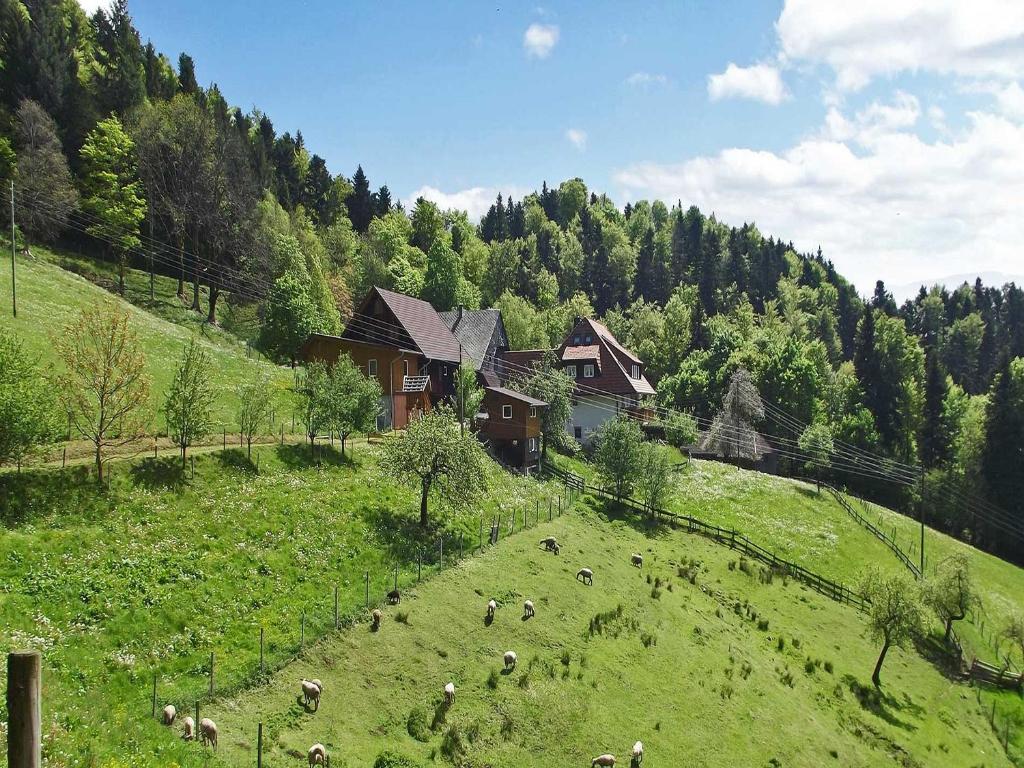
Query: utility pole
point(458, 383)
point(14, 282)
point(152, 291)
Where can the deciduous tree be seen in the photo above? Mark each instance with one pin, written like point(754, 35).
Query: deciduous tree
point(617, 455)
point(188, 406)
point(254, 405)
point(555, 388)
point(894, 613)
point(951, 592)
point(28, 416)
point(816, 443)
point(45, 195)
point(654, 478)
point(354, 399)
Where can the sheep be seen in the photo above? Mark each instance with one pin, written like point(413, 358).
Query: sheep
point(310, 693)
point(585, 575)
point(208, 732)
point(638, 753)
point(550, 544)
point(189, 730)
point(528, 610)
point(637, 560)
point(317, 755)
point(376, 616)
point(394, 597)
point(449, 694)
point(492, 606)
point(510, 660)
point(169, 714)
point(606, 761)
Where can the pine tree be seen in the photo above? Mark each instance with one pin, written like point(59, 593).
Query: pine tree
point(120, 76)
point(934, 449)
point(1003, 454)
point(360, 202)
point(187, 82)
point(382, 201)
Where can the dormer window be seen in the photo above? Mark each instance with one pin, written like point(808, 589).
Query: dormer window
point(570, 370)
point(576, 340)
point(588, 371)
point(589, 339)
point(636, 371)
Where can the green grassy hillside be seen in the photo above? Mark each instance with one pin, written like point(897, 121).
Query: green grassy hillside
point(50, 297)
point(719, 670)
point(161, 571)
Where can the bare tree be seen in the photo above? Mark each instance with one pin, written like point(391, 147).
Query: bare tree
point(104, 386)
point(732, 432)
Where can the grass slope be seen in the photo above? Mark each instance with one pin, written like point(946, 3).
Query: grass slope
point(160, 571)
point(688, 668)
point(50, 298)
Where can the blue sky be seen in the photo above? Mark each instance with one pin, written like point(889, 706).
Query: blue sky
point(892, 134)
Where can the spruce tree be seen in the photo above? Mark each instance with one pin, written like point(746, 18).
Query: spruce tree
point(934, 448)
point(360, 202)
point(1003, 454)
point(187, 82)
point(120, 76)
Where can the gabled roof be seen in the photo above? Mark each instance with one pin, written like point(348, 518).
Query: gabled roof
point(517, 396)
point(420, 321)
point(475, 328)
point(591, 352)
point(613, 359)
point(604, 333)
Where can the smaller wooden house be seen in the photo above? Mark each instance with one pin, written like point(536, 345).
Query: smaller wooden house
point(510, 421)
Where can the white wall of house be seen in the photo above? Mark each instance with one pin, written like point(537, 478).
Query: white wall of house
point(588, 416)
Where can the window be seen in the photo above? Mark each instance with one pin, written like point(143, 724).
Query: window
point(570, 370)
point(405, 367)
point(575, 339)
point(371, 368)
point(533, 445)
point(636, 371)
point(533, 411)
point(589, 339)
point(444, 370)
point(506, 411)
point(577, 432)
point(588, 371)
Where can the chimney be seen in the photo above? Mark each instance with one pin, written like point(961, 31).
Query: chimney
point(458, 318)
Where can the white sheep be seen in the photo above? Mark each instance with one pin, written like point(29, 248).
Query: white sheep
point(638, 752)
point(188, 731)
point(208, 732)
point(310, 693)
point(449, 694)
point(606, 761)
point(317, 755)
point(637, 560)
point(550, 544)
point(510, 659)
point(528, 609)
point(587, 577)
point(491, 608)
point(376, 616)
point(169, 714)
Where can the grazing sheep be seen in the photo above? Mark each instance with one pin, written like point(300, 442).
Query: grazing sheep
point(394, 597)
point(510, 660)
point(208, 732)
point(638, 752)
point(376, 616)
point(528, 610)
point(606, 761)
point(449, 694)
point(491, 608)
point(317, 755)
point(318, 684)
point(169, 714)
point(189, 730)
point(637, 560)
point(550, 544)
point(586, 576)
point(310, 693)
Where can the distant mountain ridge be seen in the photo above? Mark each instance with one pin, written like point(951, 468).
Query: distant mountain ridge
point(908, 290)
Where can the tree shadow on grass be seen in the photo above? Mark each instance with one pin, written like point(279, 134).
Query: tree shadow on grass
point(404, 538)
point(71, 494)
point(881, 704)
point(236, 459)
point(159, 474)
point(302, 456)
point(933, 649)
point(653, 527)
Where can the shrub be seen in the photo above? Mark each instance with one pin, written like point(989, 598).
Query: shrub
point(452, 745)
point(727, 691)
point(648, 639)
point(796, 642)
point(809, 666)
point(655, 593)
point(524, 679)
point(417, 725)
point(566, 658)
point(781, 643)
point(389, 759)
point(746, 567)
point(492, 679)
point(828, 667)
point(745, 670)
point(507, 725)
point(402, 617)
point(763, 625)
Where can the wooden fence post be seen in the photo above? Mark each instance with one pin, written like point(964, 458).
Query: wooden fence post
point(512, 523)
point(302, 631)
point(366, 578)
point(419, 564)
point(64, 460)
point(24, 711)
point(524, 518)
point(335, 606)
point(211, 674)
point(259, 746)
point(460, 545)
point(154, 693)
point(440, 543)
point(396, 577)
point(481, 533)
point(197, 717)
point(549, 507)
point(261, 652)
point(559, 506)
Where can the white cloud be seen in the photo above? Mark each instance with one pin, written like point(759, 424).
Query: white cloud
point(761, 82)
point(1010, 101)
point(474, 200)
point(540, 39)
point(91, 6)
point(646, 80)
point(880, 201)
point(577, 137)
point(871, 38)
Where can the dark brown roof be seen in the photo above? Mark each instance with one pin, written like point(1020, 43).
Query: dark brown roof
point(424, 326)
point(613, 361)
point(604, 333)
point(515, 363)
point(592, 352)
point(475, 329)
point(517, 396)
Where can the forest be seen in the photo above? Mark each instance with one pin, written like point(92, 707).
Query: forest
point(117, 150)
